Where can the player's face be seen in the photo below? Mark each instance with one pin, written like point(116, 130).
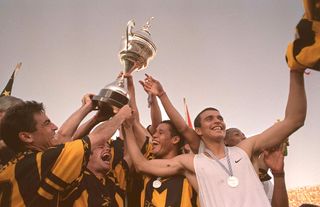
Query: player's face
point(162, 141)
point(100, 159)
point(45, 132)
point(212, 125)
point(236, 136)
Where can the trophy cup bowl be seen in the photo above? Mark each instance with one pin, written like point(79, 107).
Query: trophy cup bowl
point(137, 49)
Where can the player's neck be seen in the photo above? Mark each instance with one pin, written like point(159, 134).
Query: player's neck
point(218, 149)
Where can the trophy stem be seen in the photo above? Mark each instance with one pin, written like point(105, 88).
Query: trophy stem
point(128, 65)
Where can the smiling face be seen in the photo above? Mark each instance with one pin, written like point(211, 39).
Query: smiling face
point(100, 160)
point(163, 142)
point(233, 137)
point(212, 126)
point(42, 137)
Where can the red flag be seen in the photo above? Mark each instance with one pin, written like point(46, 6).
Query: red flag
point(187, 115)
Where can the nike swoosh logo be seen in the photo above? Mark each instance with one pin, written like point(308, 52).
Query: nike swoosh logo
point(238, 160)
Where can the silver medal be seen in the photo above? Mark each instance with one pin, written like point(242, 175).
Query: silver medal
point(233, 181)
point(156, 183)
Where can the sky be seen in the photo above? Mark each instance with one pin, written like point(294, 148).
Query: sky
point(225, 54)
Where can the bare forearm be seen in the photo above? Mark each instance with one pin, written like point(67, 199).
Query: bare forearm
point(297, 102)
point(85, 128)
point(69, 127)
point(133, 150)
point(140, 133)
point(156, 167)
point(191, 137)
point(280, 196)
point(156, 116)
point(294, 116)
point(126, 155)
point(132, 94)
point(105, 130)
point(173, 114)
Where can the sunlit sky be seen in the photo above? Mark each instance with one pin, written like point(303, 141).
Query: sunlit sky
point(225, 54)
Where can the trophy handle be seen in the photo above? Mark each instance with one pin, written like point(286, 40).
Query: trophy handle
point(130, 25)
point(147, 25)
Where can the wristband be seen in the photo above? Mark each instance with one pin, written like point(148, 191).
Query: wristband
point(278, 174)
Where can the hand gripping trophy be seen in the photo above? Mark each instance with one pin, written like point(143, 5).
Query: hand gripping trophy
point(137, 49)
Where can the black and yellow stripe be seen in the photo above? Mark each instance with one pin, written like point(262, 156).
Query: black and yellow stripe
point(135, 181)
point(117, 151)
point(92, 192)
point(174, 191)
point(110, 191)
point(36, 178)
point(304, 51)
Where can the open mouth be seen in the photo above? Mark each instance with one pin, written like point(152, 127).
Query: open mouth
point(106, 156)
point(155, 143)
point(217, 128)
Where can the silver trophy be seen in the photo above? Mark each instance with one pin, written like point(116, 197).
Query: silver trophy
point(137, 49)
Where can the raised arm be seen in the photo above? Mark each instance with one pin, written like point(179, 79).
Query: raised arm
point(154, 87)
point(157, 167)
point(138, 128)
point(105, 130)
point(85, 128)
point(155, 113)
point(294, 118)
point(275, 161)
point(132, 95)
point(68, 128)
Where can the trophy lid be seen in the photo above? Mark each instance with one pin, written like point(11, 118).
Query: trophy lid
point(145, 34)
point(137, 47)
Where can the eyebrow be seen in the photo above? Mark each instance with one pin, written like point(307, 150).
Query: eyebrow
point(212, 116)
point(208, 117)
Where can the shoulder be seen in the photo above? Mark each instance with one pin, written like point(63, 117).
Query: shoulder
point(184, 157)
point(22, 157)
point(247, 145)
point(186, 160)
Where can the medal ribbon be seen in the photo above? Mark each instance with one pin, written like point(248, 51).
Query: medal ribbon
point(226, 153)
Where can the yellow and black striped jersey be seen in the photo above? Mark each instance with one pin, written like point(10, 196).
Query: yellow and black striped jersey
point(6, 154)
point(135, 181)
point(304, 51)
point(37, 178)
point(175, 191)
point(94, 192)
point(117, 151)
point(108, 192)
point(119, 170)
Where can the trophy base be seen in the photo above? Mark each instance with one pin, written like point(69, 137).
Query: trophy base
point(109, 99)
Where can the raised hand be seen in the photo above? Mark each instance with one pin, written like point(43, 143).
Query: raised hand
point(125, 112)
point(152, 86)
point(274, 159)
point(103, 115)
point(87, 100)
point(128, 123)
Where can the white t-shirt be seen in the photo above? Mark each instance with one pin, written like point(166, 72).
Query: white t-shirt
point(201, 147)
point(212, 180)
point(268, 188)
